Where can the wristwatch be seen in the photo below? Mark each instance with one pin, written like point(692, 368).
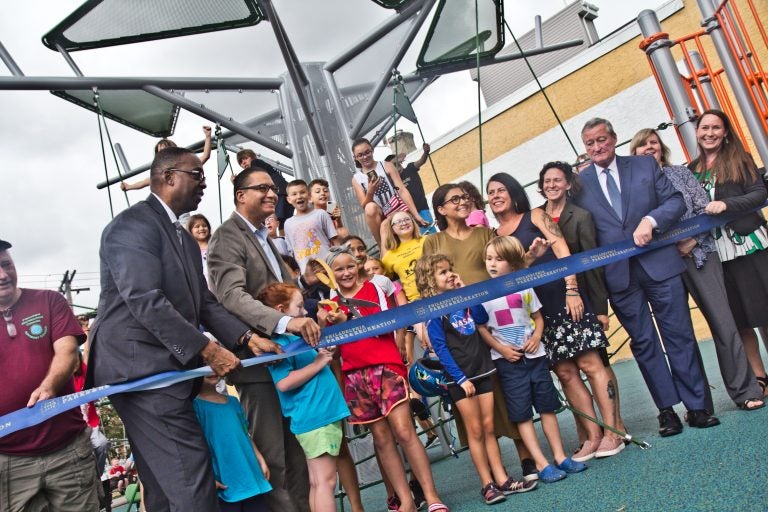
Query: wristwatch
point(245, 337)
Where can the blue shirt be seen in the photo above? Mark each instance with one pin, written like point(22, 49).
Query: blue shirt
point(316, 403)
point(465, 352)
point(234, 462)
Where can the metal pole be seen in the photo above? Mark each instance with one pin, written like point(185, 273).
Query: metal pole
point(212, 116)
point(297, 75)
point(372, 37)
point(683, 113)
point(393, 63)
point(9, 62)
point(45, 83)
point(69, 59)
point(736, 80)
point(123, 160)
point(707, 89)
point(537, 31)
point(462, 66)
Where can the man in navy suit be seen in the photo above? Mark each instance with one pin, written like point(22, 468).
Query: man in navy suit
point(629, 197)
point(153, 300)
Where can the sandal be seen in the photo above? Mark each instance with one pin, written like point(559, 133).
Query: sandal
point(744, 405)
point(763, 381)
point(438, 507)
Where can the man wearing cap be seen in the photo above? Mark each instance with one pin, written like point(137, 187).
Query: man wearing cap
point(51, 462)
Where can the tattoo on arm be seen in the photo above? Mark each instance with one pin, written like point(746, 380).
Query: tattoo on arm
point(611, 391)
point(552, 226)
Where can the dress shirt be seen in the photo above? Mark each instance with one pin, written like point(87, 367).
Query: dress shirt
point(261, 235)
point(603, 180)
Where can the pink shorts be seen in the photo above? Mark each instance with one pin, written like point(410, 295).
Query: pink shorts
point(372, 392)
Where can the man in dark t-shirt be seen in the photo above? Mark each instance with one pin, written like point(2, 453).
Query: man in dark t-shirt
point(412, 181)
point(52, 461)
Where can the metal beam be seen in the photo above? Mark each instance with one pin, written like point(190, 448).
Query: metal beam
point(298, 78)
point(69, 59)
point(214, 117)
point(334, 64)
point(283, 41)
point(662, 60)
point(463, 66)
point(426, 8)
point(46, 83)
point(9, 62)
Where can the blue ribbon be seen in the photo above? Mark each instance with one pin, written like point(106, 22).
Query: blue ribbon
point(386, 321)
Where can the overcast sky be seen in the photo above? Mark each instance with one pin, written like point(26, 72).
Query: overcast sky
point(50, 154)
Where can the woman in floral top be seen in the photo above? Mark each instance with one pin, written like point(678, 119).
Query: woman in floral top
point(731, 177)
point(704, 276)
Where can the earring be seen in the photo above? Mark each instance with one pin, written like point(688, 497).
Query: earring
point(725, 139)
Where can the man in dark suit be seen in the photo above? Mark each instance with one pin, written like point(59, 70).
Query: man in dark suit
point(242, 261)
point(631, 197)
point(153, 300)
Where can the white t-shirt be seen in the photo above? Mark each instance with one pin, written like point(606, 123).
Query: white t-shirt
point(309, 236)
point(510, 322)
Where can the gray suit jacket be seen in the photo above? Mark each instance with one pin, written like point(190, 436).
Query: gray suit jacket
point(238, 270)
point(153, 298)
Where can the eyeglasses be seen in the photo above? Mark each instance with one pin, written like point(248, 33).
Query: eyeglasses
point(402, 222)
point(197, 174)
point(455, 200)
point(10, 327)
point(367, 152)
point(263, 188)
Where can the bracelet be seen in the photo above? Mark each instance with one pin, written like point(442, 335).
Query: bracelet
point(572, 288)
point(572, 294)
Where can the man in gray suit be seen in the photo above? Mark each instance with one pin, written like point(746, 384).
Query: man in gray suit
point(241, 262)
point(153, 300)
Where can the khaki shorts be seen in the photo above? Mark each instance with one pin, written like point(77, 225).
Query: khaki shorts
point(67, 477)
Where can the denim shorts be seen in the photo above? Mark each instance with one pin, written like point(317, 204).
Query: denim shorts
point(526, 383)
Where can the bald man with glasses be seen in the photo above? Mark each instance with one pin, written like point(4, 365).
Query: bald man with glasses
point(153, 301)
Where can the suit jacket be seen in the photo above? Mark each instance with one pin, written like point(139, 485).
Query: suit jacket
point(645, 190)
point(579, 232)
point(238, 270)
point(153, 298)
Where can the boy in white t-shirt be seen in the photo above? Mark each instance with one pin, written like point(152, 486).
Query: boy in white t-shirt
point(309, 233)
point(513, 333)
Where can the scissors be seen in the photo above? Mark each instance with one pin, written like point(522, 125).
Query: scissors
point(326, 277)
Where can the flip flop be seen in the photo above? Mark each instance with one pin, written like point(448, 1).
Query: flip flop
point(435, 507)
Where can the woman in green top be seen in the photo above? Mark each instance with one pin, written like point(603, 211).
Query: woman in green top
point(731, 177)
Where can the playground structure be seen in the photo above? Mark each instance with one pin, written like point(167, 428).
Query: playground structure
point(320, 107)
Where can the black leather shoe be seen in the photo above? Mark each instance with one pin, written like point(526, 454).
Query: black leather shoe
point(701, 419)
point(669, 423)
